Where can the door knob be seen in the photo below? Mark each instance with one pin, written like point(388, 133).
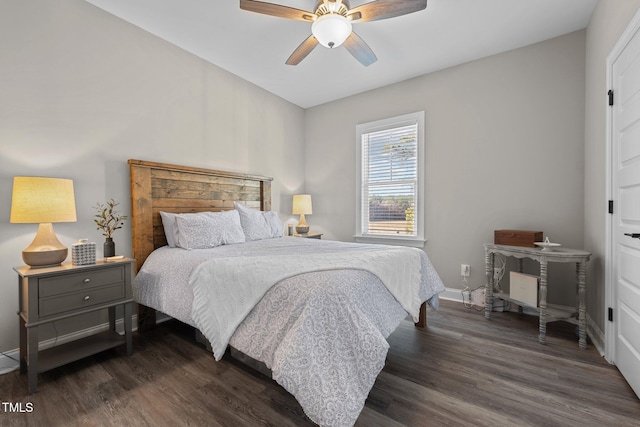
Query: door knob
point(633, 235)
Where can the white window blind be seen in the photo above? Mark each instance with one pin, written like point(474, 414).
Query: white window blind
point(390, 178)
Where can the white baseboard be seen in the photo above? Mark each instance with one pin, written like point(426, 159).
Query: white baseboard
point(9, 360)
point(596, 335)
point(450, 294)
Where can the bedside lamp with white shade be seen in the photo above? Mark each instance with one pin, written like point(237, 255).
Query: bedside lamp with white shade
point(302, 206)
point(43, 201)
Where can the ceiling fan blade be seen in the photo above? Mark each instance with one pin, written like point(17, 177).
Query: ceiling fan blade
point(360, 50)
point(276, 10)
point(303, 50)
point(383, 9)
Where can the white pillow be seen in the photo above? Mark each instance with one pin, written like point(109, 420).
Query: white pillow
point(170, 229)
point(258, 225)
point(208, 229)
point(277, 227)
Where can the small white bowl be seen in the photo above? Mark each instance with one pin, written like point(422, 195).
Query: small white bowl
point(547, 246)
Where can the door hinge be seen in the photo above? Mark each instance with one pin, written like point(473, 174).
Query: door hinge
point(610, 93)
point(611, 206)
point(610, 314)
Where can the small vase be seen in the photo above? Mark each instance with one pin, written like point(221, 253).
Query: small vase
point(109, 247)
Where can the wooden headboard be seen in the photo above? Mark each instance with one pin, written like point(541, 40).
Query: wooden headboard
point(159, 187)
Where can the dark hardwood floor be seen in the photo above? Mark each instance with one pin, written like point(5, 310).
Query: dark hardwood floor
point(460, 370)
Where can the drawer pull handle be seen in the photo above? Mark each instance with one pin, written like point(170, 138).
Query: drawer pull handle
point(87, 298)
point(87, 280)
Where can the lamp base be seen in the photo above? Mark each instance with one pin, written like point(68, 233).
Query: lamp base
point(42, 259)
point(45, 250)
point(302, 227)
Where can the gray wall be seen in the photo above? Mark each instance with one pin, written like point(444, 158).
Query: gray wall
point(504, 149)
point(83, 91)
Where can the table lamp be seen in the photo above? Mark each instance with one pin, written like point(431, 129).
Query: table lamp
point(43, 201)
point(302, 206)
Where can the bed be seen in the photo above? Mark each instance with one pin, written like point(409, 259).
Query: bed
point(322, 310)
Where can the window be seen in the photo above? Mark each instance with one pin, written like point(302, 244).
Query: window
point(390, 180)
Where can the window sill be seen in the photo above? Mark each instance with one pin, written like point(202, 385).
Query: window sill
point(388, 240)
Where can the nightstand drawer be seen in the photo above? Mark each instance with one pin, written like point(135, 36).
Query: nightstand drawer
point(77, 282)
point(79, 300)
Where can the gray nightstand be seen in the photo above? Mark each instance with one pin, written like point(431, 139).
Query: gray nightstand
point(55, 293)
point(309, 235)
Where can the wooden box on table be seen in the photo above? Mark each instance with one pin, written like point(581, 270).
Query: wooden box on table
point(517, 237)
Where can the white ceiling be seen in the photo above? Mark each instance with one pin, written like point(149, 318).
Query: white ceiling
point(255, 47)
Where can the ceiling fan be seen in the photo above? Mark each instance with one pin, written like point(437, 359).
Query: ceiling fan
point(331, 23)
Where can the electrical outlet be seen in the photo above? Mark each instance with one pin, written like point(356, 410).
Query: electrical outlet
point(465, 269)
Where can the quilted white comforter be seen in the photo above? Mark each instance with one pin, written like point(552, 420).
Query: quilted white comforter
point(323, 334)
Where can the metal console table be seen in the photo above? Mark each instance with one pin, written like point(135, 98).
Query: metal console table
point(580, 257)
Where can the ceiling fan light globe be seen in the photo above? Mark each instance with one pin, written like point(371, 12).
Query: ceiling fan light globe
point(331, 30)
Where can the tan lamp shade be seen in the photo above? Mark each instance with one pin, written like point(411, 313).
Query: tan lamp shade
point(302, 206)
point(36, 200)
point(43, 201)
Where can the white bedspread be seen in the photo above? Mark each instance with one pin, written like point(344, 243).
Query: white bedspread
point(322, 334)
point(226, 289)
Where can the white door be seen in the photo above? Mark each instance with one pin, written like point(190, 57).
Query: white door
point(625, 230)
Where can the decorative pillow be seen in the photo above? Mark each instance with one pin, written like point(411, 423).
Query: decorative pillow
point(170, 228)
point(208, 229)
point(258, 225)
